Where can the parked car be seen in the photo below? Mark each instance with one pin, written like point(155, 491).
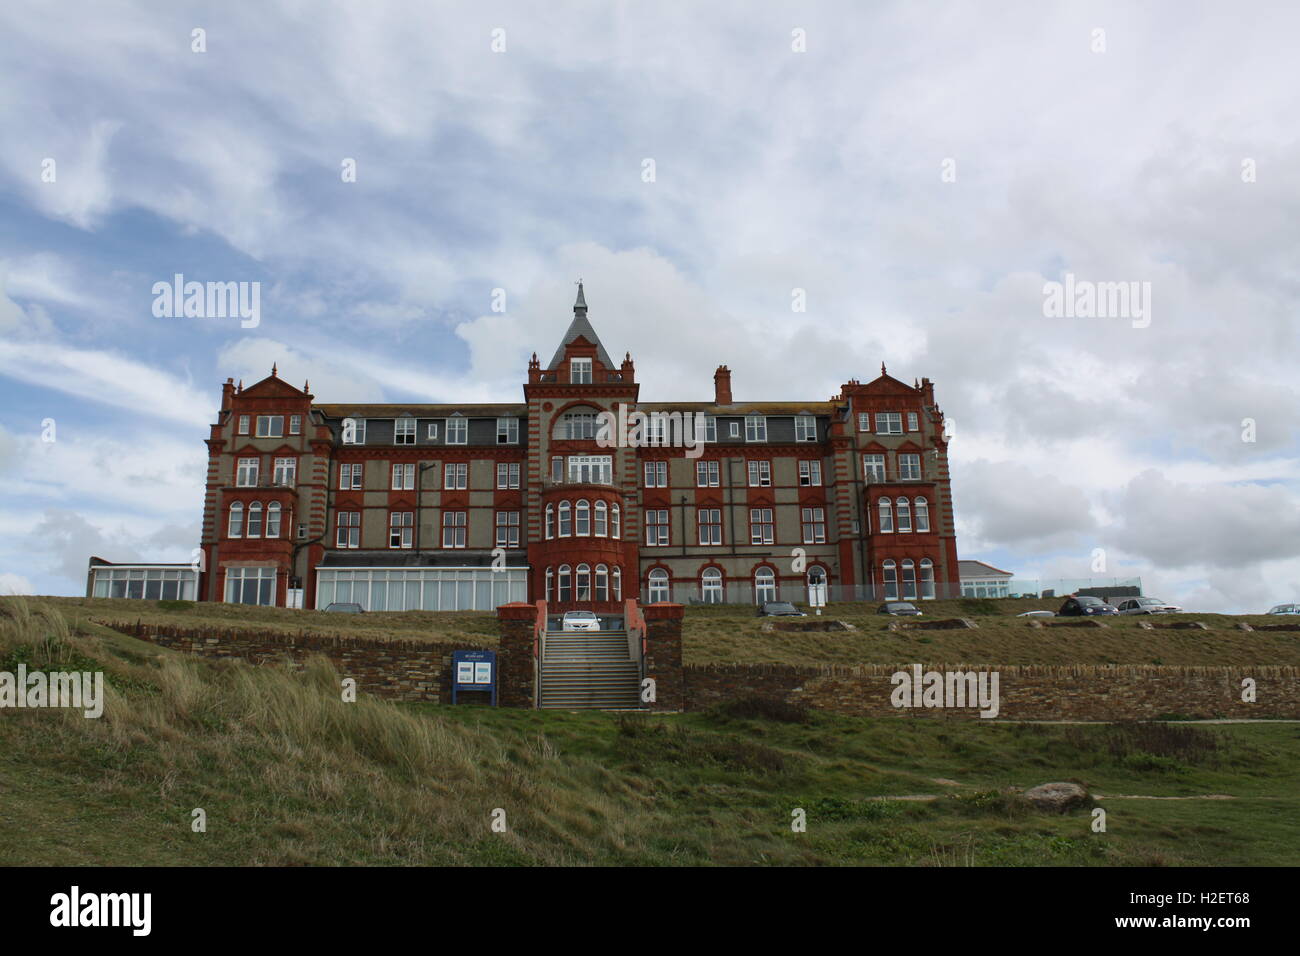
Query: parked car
point(1285, 609)
point(580, 621)
point(779, 609)
point(899, 609)
point(1036, 614)
point(1146, 605)
point(345, 607)
point(1085, 605)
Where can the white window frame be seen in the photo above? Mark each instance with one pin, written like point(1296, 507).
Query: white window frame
point(274, 426)
point(909, 467)
point(284, 472)
point(759, 473)
point(755, 428)
point(805, 427)
point(507, 431)
point(810, 473)
point(246, 472)
point(403, 476)
point(401, 528)
point(455, 529)
point(657, 533)
point(455, 476)
point(762, 526)
point(580, 371)
point(507, 475)
point(889, 423)
point(457, 430)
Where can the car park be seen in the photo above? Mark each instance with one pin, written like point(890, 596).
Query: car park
point(580, 621)
point(899, 609)
point(345, 607)
point(1146, 605)
point(1085, 605)
point(779, 609)
point(1285, 609)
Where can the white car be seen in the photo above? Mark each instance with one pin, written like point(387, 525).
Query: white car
point(1147, 605)
point(1036, 614)
point(1285, 609)
point(580, 621)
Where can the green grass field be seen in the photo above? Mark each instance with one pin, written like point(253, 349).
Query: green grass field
point(732, 634)
point(289, 774)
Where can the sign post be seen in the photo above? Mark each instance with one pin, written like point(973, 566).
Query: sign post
point(474, 671)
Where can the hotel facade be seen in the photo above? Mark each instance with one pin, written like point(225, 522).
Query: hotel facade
point(470, 506)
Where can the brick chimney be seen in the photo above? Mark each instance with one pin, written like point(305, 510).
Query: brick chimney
point(227, 391)
point(722, 386)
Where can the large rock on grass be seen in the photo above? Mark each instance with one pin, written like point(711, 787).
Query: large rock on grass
point(1056, 797)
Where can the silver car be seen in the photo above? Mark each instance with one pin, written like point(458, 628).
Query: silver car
point(1147, 605)
point(580, 621)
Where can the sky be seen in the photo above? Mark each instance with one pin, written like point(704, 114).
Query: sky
point(919, 172)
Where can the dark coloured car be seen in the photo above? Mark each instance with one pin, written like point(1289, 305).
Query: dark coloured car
point(345, 607)
point(779, 609)
point(1085, 606)
point(899, 609)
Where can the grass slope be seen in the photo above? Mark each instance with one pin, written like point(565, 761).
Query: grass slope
point(731, 634)
point(289, 774)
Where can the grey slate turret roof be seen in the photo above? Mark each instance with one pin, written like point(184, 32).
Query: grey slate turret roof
point(581, 327)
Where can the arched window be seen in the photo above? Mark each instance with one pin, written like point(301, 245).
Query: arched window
point(602, 583)
point(583, 582)
point(254, 520)
point(550, 584)
point(889, 572)
point(711, 585)
point(618, 584)
point(614, 531)
point(550, 522)
point(922, 515)
point(236, 527)
point(904, 515)
point(658, 585)
point(564, 593)
point(764, 586)
point(886, 516)
point(566, 520)
point(927, 574)
point(817, 588)
point(273, 520)
point(601, 521)
point(909, 579)
point(582, 518)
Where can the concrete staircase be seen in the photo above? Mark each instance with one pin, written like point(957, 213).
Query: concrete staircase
point(589, 669)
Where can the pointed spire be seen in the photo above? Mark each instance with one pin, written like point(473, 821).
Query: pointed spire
point(241, 386)
point(306, 386)
point(274, 371)
point(581, 304)
point(882, 368)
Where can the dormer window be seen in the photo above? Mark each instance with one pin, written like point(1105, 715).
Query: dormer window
point(805, 428)
point(755, 428)
point(457, 430)
point(404, 431)
point(580, 371)
point(507, 431)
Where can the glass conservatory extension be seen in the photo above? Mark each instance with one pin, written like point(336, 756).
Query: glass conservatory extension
point(421, 589)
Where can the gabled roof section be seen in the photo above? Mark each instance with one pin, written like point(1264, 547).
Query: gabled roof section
point(272, 387)
point(580, 328)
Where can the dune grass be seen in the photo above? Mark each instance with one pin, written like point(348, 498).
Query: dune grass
point(288, 773)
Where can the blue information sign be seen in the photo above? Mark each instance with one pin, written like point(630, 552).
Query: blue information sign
point(474, 671)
